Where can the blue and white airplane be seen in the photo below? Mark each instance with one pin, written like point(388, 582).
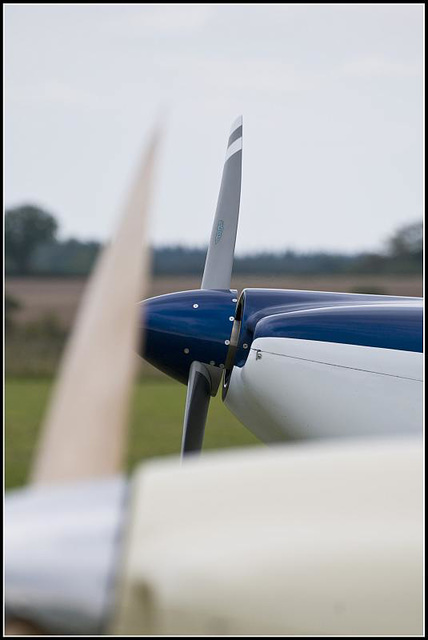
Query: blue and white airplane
point(297, 364)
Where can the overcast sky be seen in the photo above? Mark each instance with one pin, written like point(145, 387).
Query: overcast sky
point(332, 99)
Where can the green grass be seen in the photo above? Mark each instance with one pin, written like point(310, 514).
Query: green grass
point(155, 423)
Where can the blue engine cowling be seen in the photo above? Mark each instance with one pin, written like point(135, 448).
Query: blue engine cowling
point(180, 328)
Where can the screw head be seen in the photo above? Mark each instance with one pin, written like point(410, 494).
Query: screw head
point(186, 350)
point(195, 306)
point(227, 342)
point(231, 318)
point(221, 366)
point(245, 345)
point(234, 299)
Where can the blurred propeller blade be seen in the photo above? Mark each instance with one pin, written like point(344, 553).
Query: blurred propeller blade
point(197, 402)
point(219, 260)
point(84, 431)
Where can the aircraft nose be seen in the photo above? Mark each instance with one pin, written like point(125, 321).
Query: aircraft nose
point(179, 328)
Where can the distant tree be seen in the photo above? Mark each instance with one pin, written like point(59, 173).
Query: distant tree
point(66, 257)
point(405, 249)
point(26, 227)
point(407, 241)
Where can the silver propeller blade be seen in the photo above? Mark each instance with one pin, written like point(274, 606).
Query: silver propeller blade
point(204, 379)
point(219, 260)
point(197, 402)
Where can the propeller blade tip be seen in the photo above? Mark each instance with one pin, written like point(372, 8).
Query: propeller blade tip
point(236, 123)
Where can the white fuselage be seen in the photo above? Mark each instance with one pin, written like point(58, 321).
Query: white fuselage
point(292, 388)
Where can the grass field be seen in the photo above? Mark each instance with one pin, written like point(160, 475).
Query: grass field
point(155, 423)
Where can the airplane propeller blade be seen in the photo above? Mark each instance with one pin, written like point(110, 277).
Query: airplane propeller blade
point(219, 260)
point(204, 380)
point(197, 402)
point(188, 334)
point(84, 432)
point(61, 540)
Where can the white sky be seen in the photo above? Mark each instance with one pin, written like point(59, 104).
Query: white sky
point(332, 98)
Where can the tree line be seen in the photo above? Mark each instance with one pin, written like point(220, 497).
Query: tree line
point(33, 248)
